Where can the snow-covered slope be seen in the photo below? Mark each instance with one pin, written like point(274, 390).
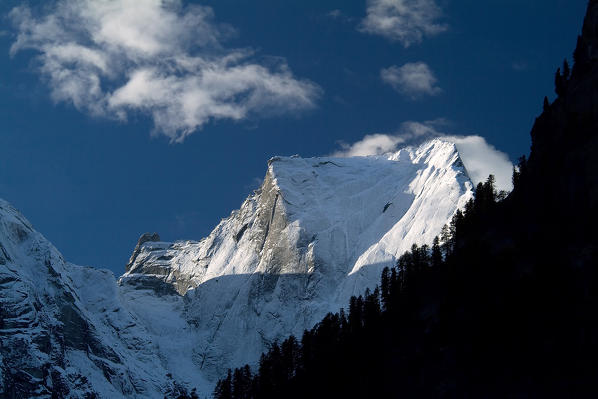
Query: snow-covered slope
point(66, 330)
point(318, 231)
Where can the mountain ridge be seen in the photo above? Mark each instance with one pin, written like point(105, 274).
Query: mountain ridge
point(316, 232)
point(281, 184)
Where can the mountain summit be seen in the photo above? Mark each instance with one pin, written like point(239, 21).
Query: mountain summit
point(327, 217)
point(317, 231)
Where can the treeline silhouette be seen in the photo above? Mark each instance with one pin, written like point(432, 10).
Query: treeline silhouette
point(450, 320)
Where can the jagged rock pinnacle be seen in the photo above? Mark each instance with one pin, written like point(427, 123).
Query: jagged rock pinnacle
point(145, 237)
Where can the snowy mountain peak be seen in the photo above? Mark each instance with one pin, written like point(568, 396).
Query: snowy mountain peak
point(316, 232)
point(319, 214)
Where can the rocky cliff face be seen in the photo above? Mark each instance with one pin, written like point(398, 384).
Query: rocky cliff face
point(316, 232)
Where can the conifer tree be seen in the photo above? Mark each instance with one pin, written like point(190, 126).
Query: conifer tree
point(559, 84)
point(455, 227)
point(355, 314)
point(371, 308)
point(522, 167)
point(436, 253)
point(241, 383)
point(447, 240)
point(223, 388)
point(290, 356)
point(566, 70)
point(394, 286)
point(491, 188)
point(516, 177)
point(385, 288)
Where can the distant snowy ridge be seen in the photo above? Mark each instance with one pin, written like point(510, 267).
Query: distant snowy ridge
point(317, 231)
point(64, 329)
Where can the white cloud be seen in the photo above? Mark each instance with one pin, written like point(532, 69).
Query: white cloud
point(480, 158)
point(114, 58)
point(414, 79)
point(381, 143)
point(371, 144)
point(405, 21)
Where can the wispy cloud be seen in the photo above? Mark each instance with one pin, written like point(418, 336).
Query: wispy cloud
point(339, 15)
point(480, 158)
point(382, 143)
point(160, 58)
point(414, 79)
point(334, 14)
point(371, 144)
point(405, 21)
point(519, 66)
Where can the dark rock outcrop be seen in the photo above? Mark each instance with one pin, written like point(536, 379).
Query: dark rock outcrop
point(145, 237)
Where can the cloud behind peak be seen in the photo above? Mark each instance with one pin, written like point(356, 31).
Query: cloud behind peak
point(479, 157)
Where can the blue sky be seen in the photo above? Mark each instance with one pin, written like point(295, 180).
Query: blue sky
point(154, 148)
